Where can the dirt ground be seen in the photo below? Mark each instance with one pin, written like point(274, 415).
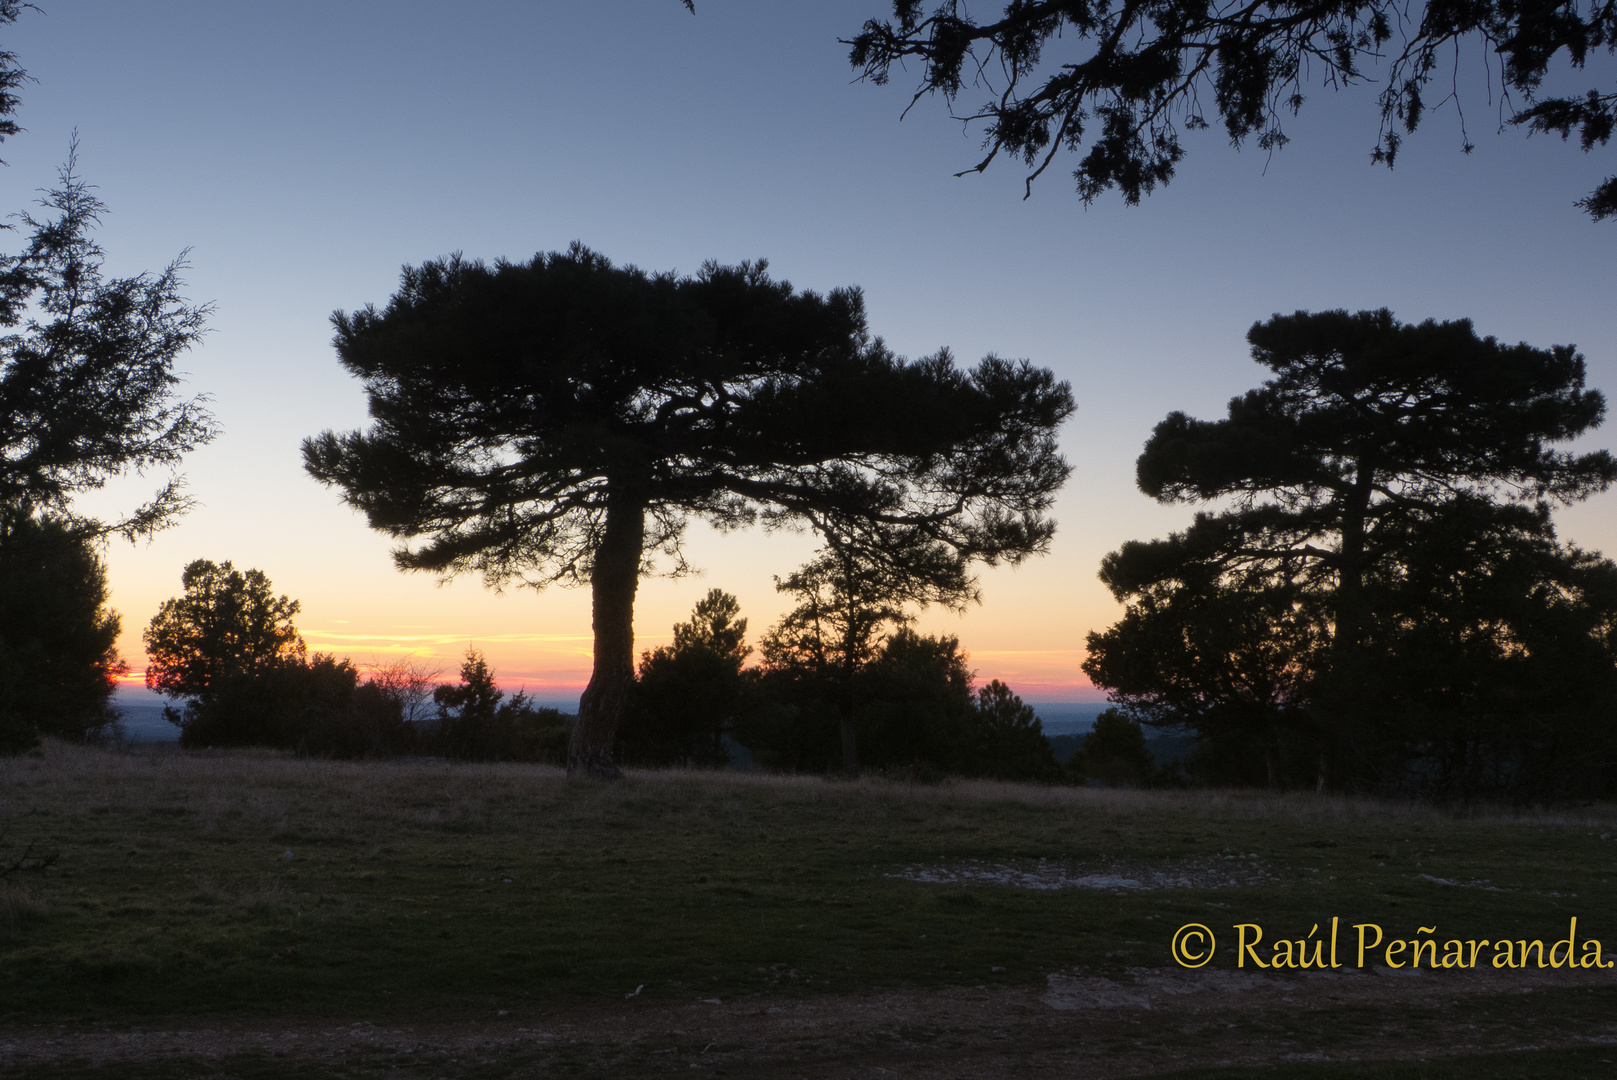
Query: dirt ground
point(1079, 1025)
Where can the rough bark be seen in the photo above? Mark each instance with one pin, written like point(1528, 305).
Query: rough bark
point(614, 579)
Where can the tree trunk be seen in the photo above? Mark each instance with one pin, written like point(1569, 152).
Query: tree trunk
point(1345, 710)
point(1349, 599)
point(845, 703)
point(850, 745)
point(614, 578)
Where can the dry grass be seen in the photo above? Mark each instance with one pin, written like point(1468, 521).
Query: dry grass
point(273, 787)
point(239, 888)
point(19, 909)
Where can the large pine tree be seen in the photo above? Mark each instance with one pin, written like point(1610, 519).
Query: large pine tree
point(560, 420)
point(1378, 455)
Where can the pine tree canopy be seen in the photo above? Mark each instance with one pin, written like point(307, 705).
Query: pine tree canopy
point(1384, 495)
point(562, 419)
point(1121, 82)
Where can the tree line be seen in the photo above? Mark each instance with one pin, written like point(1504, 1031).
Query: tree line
point(228, 653)
point(1371, 597)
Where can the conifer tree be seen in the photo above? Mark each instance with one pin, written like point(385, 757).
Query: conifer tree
point(561, 420)
point(1123, 82)
point(1378, 455)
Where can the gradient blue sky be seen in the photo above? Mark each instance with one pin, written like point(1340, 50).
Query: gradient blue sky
point(305, 151)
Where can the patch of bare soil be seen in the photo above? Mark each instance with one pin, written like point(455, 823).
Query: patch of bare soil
point(1078, 1025)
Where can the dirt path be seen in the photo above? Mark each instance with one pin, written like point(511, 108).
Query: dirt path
point(1077, 1026)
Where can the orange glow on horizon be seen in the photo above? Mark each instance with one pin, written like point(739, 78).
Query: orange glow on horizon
point(1032, 674)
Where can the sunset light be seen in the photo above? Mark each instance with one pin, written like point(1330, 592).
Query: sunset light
point(976, 539)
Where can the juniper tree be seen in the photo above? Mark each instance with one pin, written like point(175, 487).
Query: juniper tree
point(227, 625)
point(12, 76)
point(87, 393)
point(562, 419)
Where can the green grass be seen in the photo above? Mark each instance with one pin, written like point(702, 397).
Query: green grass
point(421, 888)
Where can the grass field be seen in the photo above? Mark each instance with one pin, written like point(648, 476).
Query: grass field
point(255, 915)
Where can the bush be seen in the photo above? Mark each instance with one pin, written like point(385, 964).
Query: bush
point(1114, 753)
point(1005, 739)
point(689, 694)
point(915, 714)
point(915, 704)
point(910, 705)
point(384, 716)
point(291, 704)
point(474, 723)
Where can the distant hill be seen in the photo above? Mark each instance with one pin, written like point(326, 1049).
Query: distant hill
point(1068, 717)
point(141, 711)
point(1064, 746)
point(143, 721)
point(1163, 746)
point(1065, 725)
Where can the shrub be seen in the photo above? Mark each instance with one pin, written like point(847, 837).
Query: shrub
point(1005, 739)
point(475, 723)
point(915, 704)
point(1114, 752)
point(690, 693)
point(292, 704)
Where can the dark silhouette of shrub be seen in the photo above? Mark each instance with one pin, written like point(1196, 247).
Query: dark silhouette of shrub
point(914, 704)
point(914, 711)
point(689, 694)
point(1005, 740)
point(294, 704)
point(475, 723)
point(1114, 753)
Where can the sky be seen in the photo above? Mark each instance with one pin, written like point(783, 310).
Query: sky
point(302, 153)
